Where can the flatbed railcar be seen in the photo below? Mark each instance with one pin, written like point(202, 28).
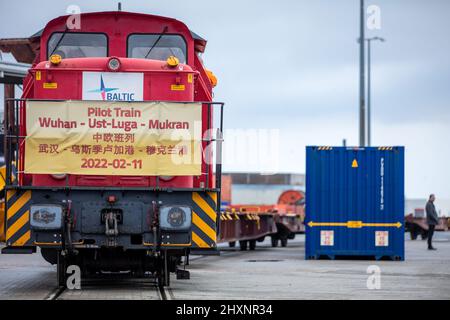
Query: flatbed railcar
point(141, 222)
point(249, 224)
point(418, 226)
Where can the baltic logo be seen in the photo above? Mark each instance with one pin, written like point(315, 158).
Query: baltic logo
point(105, 92)
point(117, 86)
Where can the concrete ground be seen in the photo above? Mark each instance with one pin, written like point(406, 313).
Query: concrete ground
point(282, 273)
point(267, 273)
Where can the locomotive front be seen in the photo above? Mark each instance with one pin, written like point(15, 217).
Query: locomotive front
point(111, 146)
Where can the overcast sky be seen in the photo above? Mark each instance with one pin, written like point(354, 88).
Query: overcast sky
point(292, 66)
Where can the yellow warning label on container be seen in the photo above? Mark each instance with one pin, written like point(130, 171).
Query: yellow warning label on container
point(190, 78)
point(355, 164)
point(38, 75)
point(50, 85)
point(177, 87)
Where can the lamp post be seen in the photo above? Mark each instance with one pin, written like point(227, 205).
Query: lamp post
point(369, 121)
point(362, 107)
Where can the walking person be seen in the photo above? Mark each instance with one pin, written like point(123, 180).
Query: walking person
point(432, 220)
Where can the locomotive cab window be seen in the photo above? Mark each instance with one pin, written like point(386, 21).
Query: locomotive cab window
point(156, 46)
point(78, 45)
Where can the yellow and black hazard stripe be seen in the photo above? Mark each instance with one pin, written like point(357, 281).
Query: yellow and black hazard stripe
point(18, 232)
point(385, 148)
point(325, 148)
point(204, 217)
point(224, 216)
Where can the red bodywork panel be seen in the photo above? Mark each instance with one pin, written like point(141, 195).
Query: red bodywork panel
point(158, 78)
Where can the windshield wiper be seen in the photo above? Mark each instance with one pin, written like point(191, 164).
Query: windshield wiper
point(156, 42)
point(59, 41)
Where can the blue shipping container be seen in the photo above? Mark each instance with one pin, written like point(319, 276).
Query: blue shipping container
point(355, 202)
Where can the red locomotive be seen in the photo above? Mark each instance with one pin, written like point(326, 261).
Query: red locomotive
point(105, 109)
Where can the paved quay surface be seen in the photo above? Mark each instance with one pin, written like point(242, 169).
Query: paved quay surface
point(282, 273)
point(267, 273)
point(124, 289)
point(25, 277)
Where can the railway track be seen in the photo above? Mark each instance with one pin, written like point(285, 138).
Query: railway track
point(121, 287)
point(55, 293)
point(107, 289)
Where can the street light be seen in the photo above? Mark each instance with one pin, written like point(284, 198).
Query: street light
point(369, 40)
point(362, 103)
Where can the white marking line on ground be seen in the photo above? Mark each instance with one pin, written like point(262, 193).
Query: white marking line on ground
point(169, 294)
point(54, 294)
point(158, 292)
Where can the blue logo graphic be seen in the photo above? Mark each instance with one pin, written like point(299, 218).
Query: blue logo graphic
point(103, 90)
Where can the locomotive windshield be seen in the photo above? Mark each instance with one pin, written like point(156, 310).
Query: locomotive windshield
point(78, 45)
point(159, 46)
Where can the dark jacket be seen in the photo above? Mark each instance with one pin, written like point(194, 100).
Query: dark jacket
point(432, 217)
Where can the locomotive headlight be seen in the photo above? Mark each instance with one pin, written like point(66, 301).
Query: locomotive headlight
point(113, 64)
point(46, 217)
point(175, 218)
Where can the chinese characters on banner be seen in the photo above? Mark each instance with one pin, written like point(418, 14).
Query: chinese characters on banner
point(113, 138)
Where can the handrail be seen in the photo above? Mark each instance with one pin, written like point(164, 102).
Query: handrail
point(145, 101)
